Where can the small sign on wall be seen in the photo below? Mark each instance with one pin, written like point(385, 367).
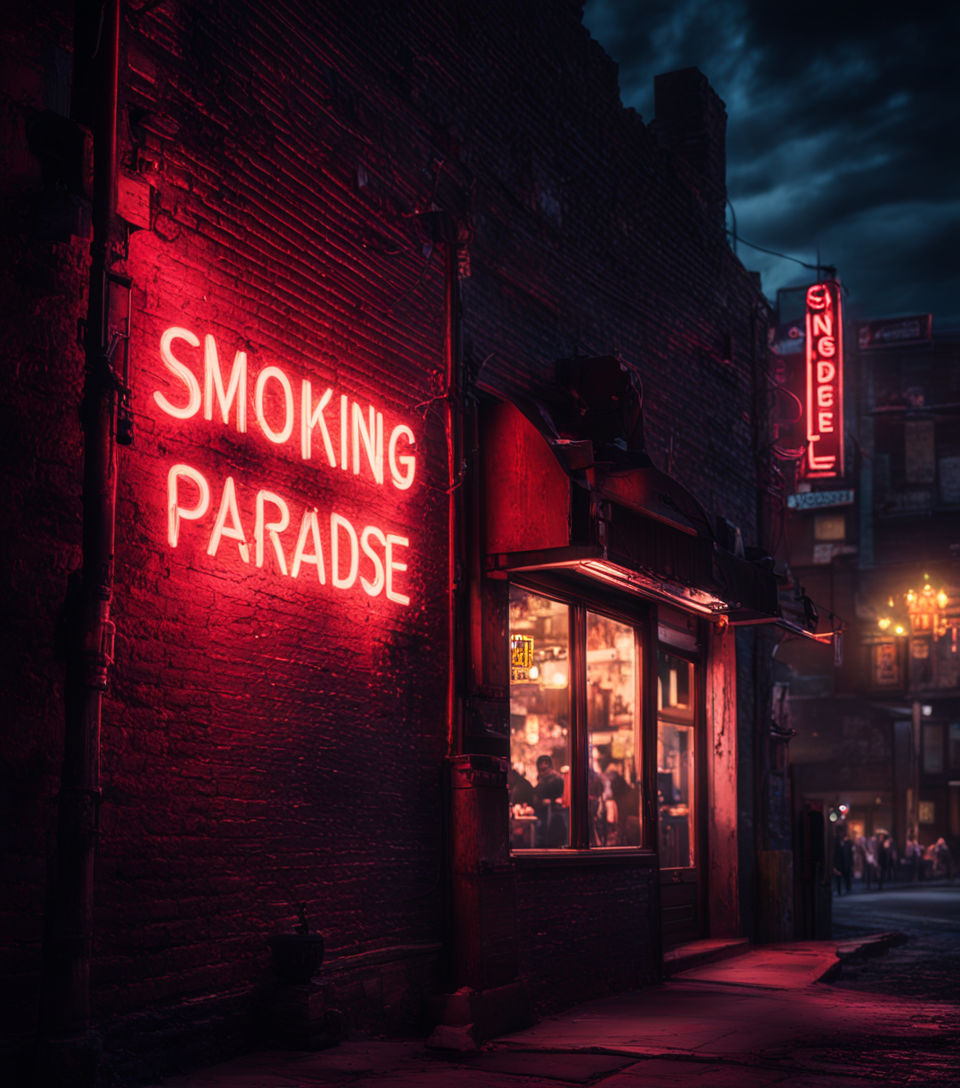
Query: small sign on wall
point(886, 665)
point(521, 657)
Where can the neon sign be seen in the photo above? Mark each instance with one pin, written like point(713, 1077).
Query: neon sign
point(824, 394)
point(265, 528)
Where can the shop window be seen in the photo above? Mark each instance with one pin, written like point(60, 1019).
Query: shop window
point(919, 451)
point(614, 774)
point(932, 748)
point(954, 745)
point(676, 761)
point(829, 527)
point(572, 694)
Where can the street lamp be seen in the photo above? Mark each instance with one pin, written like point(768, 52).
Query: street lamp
point(929, 611)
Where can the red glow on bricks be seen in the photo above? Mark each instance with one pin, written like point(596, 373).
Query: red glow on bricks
point(824, 395)
point(271, 531)
point(368, 556)
point(363, 447)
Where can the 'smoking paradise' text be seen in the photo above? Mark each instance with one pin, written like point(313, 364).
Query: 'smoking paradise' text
point(338, 432)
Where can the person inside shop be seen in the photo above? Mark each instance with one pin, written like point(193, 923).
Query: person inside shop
point(548, 805)
point(521, 788)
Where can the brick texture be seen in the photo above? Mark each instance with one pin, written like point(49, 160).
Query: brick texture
point(268, 740)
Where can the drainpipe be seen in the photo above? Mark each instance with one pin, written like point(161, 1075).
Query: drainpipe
point(68, 937)
point(453, 425)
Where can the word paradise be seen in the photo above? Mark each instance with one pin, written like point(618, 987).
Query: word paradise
point(824, 395)
point(262, 528)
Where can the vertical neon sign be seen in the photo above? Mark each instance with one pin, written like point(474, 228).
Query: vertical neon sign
point(824, 401)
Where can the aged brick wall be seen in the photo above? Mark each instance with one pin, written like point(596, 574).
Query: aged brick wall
point(588, 241)
point(268, 739)
point(584, 930)
point(43, 220)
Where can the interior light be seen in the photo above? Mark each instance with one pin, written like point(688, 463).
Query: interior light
point(899, 630)
point(926, 710)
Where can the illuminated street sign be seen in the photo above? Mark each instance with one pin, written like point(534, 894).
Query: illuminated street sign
point(824, 394)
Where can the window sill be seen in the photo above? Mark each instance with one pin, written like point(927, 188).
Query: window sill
point(610, 855)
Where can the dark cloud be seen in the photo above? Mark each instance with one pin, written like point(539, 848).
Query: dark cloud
point(841, 138)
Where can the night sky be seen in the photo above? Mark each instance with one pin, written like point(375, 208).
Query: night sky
point(842, 134)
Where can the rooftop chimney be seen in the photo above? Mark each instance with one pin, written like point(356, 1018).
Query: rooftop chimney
point(691, 124)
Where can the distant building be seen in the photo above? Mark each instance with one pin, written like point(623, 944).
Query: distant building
point(880, 732)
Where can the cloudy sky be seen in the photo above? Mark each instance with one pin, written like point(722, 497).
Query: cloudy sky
point(843, 133)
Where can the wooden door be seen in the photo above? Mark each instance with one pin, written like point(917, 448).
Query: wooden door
point(679, 810)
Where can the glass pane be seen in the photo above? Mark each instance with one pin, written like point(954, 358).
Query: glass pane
point(612, 722)
point(955, 744)
point(932, 747)
point(674, 686)
point(539, 777)
point(675, 761)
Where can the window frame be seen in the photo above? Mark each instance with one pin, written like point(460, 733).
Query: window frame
point(932, 750)
point(694, 721)
point(640, 615)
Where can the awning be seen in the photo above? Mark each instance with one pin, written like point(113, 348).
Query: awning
point(608, 517)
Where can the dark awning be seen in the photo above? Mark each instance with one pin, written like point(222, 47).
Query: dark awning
point(552, 505)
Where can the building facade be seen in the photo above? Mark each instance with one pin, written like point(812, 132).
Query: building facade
point(376, 556)
point(877, 744)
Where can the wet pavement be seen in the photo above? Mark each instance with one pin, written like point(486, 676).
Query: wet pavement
point(778, 1015)
point(927, 962)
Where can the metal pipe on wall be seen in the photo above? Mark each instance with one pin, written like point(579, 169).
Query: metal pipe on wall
point(68, 936)
point(453, 422)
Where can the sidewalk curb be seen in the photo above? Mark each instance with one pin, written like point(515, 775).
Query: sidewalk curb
point(857, 948)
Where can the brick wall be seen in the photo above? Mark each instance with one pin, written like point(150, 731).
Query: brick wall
point(584, 930)
point(267, 739)
point(42, 295)
point(270, 739)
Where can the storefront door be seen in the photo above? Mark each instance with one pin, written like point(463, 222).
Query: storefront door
point(678, 789)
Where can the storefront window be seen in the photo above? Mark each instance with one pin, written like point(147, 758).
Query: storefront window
point(932, 747)
point(539, 778)
point(614, 785)
point(954, 745)
point(550, 720)
point(675, 760)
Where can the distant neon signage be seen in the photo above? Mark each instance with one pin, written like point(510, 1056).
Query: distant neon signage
point(262, 527)
point(824, 391)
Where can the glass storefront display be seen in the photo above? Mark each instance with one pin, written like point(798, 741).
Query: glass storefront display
point(539, 777)
point(548, 719)
point(612, 697)
point(676, 797)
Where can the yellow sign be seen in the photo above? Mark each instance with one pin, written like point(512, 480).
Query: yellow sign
point(521, 657)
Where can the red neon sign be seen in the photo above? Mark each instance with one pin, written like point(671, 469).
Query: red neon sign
point(264, 529)
point(824, 400)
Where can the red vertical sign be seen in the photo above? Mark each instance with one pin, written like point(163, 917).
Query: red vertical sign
point(824, 399)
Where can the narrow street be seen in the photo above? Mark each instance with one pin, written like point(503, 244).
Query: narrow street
point(846, 1013)
point(927, 964)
